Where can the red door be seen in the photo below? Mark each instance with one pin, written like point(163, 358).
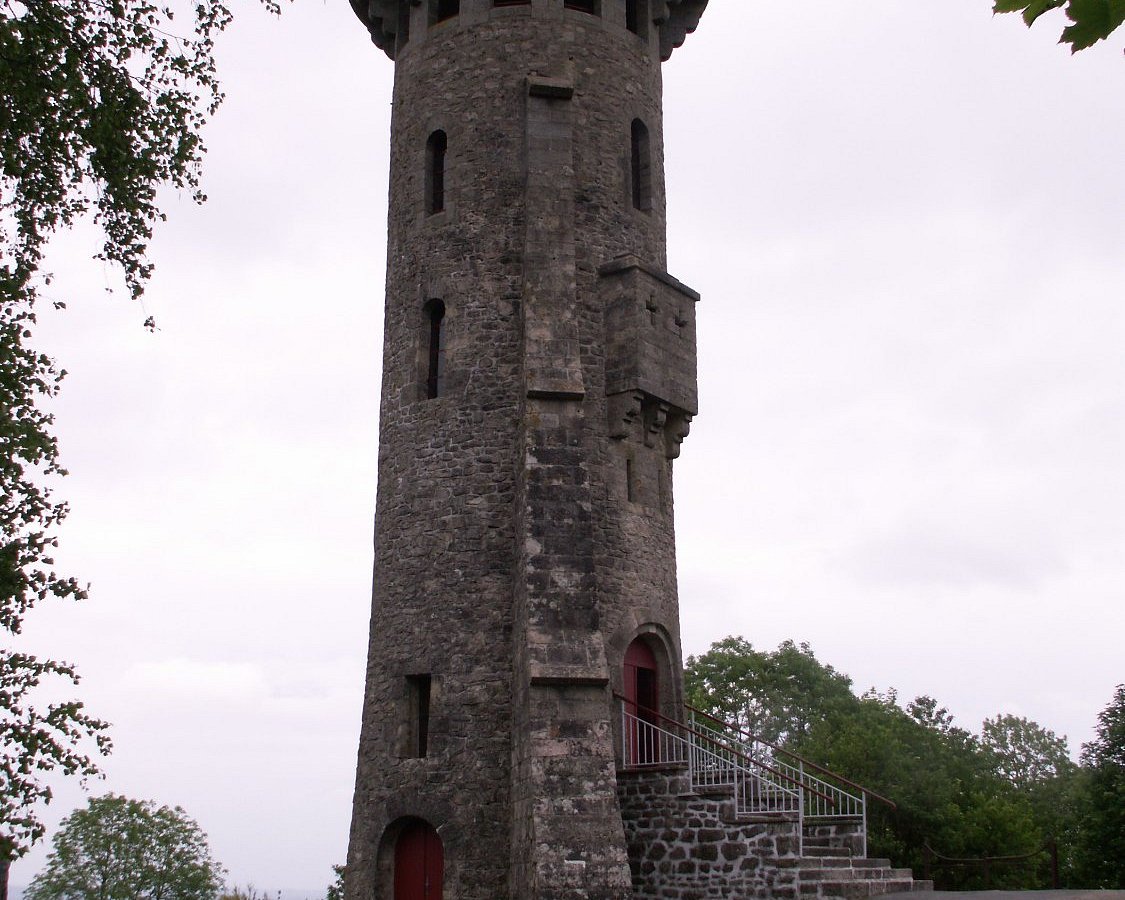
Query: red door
point(419, 863)
point(642, 699)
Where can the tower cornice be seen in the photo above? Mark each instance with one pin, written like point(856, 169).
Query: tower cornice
point(675, 19)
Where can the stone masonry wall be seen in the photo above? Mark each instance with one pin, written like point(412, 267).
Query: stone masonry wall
point(684, 846)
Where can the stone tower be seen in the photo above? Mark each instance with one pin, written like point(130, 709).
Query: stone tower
point(538, 378)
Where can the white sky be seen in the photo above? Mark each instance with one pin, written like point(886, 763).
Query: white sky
point(906, 221)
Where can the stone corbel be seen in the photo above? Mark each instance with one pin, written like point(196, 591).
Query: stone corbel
point(625, 412)
point(656, 415)
point(677, 429)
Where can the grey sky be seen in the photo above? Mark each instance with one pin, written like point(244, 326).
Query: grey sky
point(906, 223)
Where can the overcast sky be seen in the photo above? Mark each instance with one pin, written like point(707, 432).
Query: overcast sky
point(906, 221)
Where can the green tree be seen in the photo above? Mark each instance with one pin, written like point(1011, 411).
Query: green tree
point(946, 784)
point(122, 849)
point(776, 695)
point(1037, 763)
point(1104, 820)
point(336, 888)
point(101, 104)
point(1090, 20)
point(1025, 753)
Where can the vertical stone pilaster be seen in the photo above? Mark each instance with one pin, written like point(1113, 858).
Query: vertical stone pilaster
point(568, 837)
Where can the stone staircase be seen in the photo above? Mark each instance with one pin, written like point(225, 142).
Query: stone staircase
point(691, 844)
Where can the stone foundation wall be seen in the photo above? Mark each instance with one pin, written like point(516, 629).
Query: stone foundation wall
point(686, 846)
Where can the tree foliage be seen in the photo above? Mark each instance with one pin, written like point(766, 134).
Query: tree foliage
point(775, 695)
point(1003, 792)
point(336, 888)
point(1104, 819)
point(122, 849)
point(101, 105)
point(1090, 20)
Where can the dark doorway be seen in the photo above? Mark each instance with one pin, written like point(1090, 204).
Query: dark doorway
point(419, 863)
point(642, 699)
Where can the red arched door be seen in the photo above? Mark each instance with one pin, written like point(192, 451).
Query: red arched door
point(419, 863)
point(642, 699)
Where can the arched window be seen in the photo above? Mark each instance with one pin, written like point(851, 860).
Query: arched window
point(640, 166)
point(419, 862)
point(434, 344)
point(440, 10)
point(436, 146)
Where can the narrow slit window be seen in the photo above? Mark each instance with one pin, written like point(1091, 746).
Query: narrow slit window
point(641, 167)
point(586, 6)
point(630, 490)
point(511, 2)
point(436, 147)
point(636, 17)
point(435, 349)
point(403, 36)
point(418, 696)
point(440, 10)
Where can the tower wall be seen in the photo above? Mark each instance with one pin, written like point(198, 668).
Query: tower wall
point(524, 516)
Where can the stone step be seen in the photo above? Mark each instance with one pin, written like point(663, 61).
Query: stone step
point(823, 862)
point(826, 851)
point(864, 863)
point(854, 890)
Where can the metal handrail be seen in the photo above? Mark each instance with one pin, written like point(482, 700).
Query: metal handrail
point(749, 760)
point(645, 744)
point(753, 737)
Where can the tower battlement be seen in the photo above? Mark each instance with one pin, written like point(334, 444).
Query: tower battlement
point(395, 24)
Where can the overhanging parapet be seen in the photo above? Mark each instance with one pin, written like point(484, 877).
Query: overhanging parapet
point(674, 19)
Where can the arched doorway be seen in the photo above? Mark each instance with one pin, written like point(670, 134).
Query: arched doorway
point(642, 700)
point(419, 863)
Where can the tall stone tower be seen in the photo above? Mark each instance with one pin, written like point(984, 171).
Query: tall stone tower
point(538, 378)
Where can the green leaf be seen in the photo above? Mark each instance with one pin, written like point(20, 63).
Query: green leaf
point(1094, 20)
point(1036, 8)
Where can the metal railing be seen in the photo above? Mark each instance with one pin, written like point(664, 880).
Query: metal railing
point(719, 755)
point(823, 797)
point(649, 739)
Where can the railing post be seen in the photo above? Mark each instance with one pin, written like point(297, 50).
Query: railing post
point(863, 813)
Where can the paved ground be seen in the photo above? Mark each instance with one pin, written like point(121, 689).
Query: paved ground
point(1010, 895)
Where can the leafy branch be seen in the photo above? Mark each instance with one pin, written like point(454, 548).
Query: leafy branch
point(1092, 20)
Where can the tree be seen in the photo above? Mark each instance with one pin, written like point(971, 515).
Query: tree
point(1091, 20)
point(336, 888)
point(122, 849)
point(1025, 753)
point(776, 695)
point(101, 104)
point(1104, 821)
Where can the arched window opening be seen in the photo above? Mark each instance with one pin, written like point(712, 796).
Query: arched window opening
point(435, 348)
point(642, 704)
point(640, 166)
point(636, 17)
point(586, 6)
point(419, 863)
point(436, 147)
point(440, 10)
